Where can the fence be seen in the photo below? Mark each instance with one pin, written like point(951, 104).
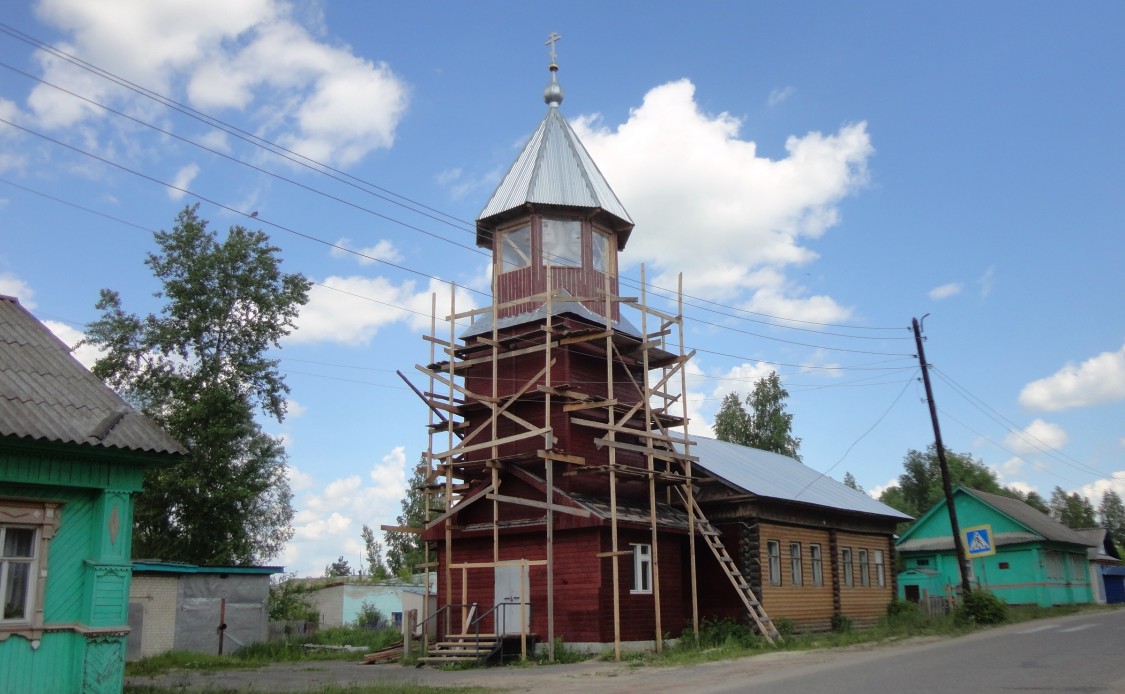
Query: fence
point(288, 629)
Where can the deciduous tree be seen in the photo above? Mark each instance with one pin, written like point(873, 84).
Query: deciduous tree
point(200, 368)
point(763, 422)
point(404, 550)
point(1072, 510)
point(373, 553)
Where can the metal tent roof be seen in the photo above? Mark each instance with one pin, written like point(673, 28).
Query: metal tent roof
point(46, 395)
point(554, 169)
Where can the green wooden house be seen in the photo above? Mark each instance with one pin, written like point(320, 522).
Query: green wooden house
point(72, 455)
point(1017, 552)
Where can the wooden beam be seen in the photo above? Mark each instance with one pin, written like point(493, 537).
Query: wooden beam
point(401, 529)
point(619, 553)
point(562, 457)
point(459, 507)
point(460, 450)
point(588, 405)
point(580, 512)
point(494, 564)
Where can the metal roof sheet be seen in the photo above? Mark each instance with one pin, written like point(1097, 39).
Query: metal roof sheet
point(47, 395)
point(559, 307)
point(775, 476)
point(554, 169)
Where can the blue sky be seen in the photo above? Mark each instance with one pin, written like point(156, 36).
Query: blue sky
point(819, 172)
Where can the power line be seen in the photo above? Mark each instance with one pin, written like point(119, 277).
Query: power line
point(324, 169)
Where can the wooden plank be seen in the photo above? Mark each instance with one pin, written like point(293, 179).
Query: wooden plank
point(589, 404)
point(460, 450)
point(459, 507)
point(619, 553)
point(580, 512)
point(504, 562)
point(562, 457)
point(400, 529)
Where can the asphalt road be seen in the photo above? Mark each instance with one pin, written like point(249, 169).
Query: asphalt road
point(1081, 653)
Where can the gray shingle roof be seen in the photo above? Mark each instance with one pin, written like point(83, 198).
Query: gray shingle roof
point(554, 169)
point(46, 395)
point(774, 476)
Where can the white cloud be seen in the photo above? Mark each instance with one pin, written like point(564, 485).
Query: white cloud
point(1097, 489)
point(85, 354)
point(10, 285)
point(318, 99)
point(780, 95)
point(182, 180)
point(945, 291)
point(327, 524)
point(684, 174)
point(1096, 381)
point(352, 310)
point(877, 491)
point(294, 409)
point(1036, 438)
point(383, 250)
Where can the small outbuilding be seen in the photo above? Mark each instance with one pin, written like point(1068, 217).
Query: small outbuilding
point(1017, 552)
point(1106, 572)
point(205, 609)
point(72, 456)
point(342, 602)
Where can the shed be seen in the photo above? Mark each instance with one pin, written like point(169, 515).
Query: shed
point(341, 602)
point(1105, 564)
point(1033, 559)
point(72, 455)
point(206, 609)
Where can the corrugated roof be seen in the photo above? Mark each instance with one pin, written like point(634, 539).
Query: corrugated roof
point(942, 544)
point(47, 395)
point(775, 476)
point(554, 169)
point(559, 307)
point(1030, 516)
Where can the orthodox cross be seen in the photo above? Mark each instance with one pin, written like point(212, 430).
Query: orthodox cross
point(551, 41)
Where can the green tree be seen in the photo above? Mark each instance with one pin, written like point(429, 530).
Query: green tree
point(849, 481)
point(1072, 510)
point(338, 568)
point(405, 550)
point(373, 553)
point(200, 370)
point(1111, 514)
point(763, 422)
point(1037, 502)
point(732, 422)
point(919, 486)
point(771, 427)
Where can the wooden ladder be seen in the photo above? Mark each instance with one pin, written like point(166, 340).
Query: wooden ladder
point(741, 585)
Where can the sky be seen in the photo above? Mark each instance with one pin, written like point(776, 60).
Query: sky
point(819, 172)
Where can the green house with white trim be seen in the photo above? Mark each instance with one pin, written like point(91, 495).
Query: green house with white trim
point(72, 456)
point(1017, 552)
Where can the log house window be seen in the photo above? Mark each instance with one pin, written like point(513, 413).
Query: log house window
point(642, 569)
point(864, 569)
point(795, 570)
point(26, 530)
point(846, 561)
point(18, 570)
point(562, 242)
point(880, 571)
point(773, 549)
point(515, 249)
point(817, 565)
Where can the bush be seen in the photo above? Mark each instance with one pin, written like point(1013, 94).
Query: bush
point(841, 623)
point(981, 607)
point(722, 632)
point(369, 617)
point(291, 600)
point(785, 627)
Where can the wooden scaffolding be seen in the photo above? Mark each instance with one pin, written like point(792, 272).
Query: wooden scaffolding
point(479, 427)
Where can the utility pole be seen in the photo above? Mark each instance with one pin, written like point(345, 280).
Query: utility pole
point(958, 543)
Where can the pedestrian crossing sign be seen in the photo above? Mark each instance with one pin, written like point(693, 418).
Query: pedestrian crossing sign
point(978, 541)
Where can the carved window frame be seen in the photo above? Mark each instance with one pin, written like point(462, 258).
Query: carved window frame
point(43, 517)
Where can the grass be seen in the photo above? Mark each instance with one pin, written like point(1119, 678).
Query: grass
point(266, 652)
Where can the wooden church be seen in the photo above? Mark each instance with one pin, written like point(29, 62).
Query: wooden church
point(574, 503)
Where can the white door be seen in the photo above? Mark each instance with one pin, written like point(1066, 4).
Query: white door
point(508, 599)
